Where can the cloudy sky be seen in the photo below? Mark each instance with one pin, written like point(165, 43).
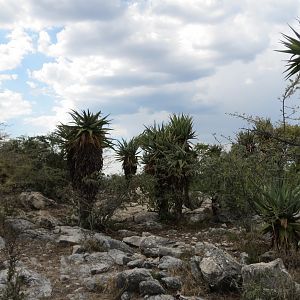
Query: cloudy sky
point(141, 60)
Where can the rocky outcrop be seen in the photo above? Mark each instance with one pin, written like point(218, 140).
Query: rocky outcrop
point(269, 280)
point(35, 285)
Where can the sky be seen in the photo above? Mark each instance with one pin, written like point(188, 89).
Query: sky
point(141, 60)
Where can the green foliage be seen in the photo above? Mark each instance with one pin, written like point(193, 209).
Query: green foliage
point(127, 153)
point(116, 192)
point(169, 157)
point(258, 156)
point(223, 176)
point(83, 140)
point(14, 284)
point(279, 207)
point(32, 163)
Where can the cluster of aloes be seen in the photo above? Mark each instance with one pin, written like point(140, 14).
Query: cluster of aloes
point(169, 157)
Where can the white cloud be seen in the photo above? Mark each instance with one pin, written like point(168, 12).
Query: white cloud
point(204, 11)
point(12, 53)
point(12, 105)
point(44, 41)
point(135, 122)
point(5, 77)
point(140, 60)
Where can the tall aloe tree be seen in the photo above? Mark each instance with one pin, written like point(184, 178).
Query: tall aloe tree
point(153, 142)
point(127, 153)
point(292, 45)
point(83, 140)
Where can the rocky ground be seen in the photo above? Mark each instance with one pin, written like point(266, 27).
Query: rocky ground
point(141, 258)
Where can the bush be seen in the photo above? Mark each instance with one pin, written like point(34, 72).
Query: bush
point(32, 163)
point(114, 194)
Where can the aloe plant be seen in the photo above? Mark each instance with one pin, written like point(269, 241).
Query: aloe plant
point(292, 45)
point(127, 153)
point(279, 207)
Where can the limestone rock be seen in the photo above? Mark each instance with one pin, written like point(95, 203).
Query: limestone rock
point(119, 257)
point(127, 233)
point(172, 283)
point(99, 268)
point(98, 282)
point(218, 268)
point(71, 235)
point(150, 245)
point(35, 200)
point(160, 297)
point(199, 215)
point(270, 279)
point(169, 262)
point(36, 286)
point(2, 243)
point(112, 243)
point(151, 287)
point(137, 263)
point(131, 279)
point(134, 241)
point(146, 216)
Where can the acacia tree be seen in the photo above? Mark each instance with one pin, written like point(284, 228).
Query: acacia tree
point(83, 140)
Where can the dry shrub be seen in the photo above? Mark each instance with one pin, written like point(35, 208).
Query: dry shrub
point(191, 286)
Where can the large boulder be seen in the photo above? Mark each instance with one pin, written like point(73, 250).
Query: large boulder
point(217, 267)
point(35, 200)
point(269, 281)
